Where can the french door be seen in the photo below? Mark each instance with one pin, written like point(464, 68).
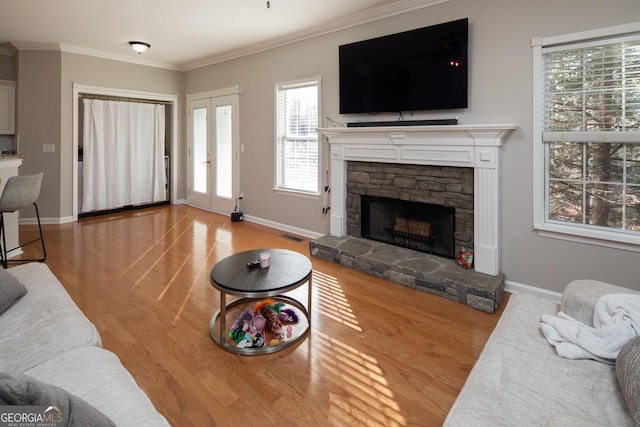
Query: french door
point(213, 153)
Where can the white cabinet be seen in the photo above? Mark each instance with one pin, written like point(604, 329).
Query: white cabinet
point(7, 107)
point(8, 168)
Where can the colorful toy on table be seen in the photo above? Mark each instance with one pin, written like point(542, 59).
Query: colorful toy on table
point(244, 331)
point(288, 315)
point(271, 311)
point(251, 340)
point(259, 322)
point(237, 329)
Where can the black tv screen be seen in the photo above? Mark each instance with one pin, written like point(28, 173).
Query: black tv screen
point(423, 69)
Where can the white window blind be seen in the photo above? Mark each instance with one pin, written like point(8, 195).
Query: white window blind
point(592, 86)
point(297, 153)
point(591, 119)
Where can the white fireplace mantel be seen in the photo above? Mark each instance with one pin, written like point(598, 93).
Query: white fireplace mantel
point(473, 146)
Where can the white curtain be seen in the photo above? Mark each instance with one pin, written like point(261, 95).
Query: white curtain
point(123, 152)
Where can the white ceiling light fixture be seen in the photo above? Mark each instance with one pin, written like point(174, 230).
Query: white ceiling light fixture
point(139, 46)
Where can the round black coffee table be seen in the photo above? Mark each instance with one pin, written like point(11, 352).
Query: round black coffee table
point(288, 270)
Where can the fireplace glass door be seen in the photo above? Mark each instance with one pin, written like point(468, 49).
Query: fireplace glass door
point(419, 226)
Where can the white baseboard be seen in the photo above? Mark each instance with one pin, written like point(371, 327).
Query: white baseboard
point(510, 286)
point(515, 287)
point(284, 227)
point(278, 226)
point(32, 221)
point(66, 219)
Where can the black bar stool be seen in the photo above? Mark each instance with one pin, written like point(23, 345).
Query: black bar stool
point(18, 193)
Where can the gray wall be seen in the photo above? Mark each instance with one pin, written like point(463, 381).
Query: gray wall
point(92, 71)
point(45, 115)
point(6, 67)
point(38, 122)
point(500, 92)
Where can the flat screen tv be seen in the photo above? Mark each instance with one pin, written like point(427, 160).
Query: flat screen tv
point(422, 69)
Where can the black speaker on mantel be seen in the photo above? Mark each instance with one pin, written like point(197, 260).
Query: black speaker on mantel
point(431, 122)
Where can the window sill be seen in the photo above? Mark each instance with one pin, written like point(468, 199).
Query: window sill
point(626, 242)
point(302, 194)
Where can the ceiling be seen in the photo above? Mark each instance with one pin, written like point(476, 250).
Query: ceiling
point(183, 34)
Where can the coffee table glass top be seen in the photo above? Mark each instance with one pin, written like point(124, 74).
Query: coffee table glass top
point(288, 269)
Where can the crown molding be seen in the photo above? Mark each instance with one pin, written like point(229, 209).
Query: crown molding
point(118, 57)
point(26, 46)
point(22, 45)
point(365, 17)
point(7, 49)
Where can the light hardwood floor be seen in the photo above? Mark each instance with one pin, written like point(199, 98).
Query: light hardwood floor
point(378, 354)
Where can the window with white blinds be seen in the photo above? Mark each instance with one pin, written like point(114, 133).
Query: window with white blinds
point(297, 152)
point(592, 87)
point(590, 134)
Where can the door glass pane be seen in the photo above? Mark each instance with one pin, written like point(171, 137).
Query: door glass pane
point(224, 152)
point(200, 164)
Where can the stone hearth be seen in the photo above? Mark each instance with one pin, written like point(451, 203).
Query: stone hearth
point(416, 270)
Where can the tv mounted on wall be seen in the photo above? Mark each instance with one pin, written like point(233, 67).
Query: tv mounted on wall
point(422, 69)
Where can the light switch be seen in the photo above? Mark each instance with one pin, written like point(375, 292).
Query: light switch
point(48, 148)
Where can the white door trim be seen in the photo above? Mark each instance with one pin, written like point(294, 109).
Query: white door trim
point(107, 91)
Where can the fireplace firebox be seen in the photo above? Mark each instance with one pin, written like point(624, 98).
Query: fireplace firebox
point(423, 227)
point(430, 207)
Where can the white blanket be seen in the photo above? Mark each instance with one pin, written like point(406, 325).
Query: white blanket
point(616, 319)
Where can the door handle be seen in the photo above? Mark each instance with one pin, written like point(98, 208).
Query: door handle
point(206, 161)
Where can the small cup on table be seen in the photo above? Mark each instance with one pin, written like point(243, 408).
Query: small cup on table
point(265, 259)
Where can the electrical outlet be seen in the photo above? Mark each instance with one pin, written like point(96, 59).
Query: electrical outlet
point(241, 196)
point(48, 148)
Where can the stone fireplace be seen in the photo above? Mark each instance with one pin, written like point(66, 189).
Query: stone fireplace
point(473, 146)
point(421, 207)
point(453, 166)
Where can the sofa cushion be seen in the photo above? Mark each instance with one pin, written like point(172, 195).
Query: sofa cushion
point(98, 377)
point(11, 290)
point(520, 380)
point(580, 297)
point(23, 390)
point(43, 323)
point(628, 373)
point(564, 420)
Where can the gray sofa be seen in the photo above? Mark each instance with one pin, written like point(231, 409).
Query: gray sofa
point(519, 380)
point(46, 337)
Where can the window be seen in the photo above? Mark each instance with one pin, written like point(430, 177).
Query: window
point(297, 152)
point(587, 128)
